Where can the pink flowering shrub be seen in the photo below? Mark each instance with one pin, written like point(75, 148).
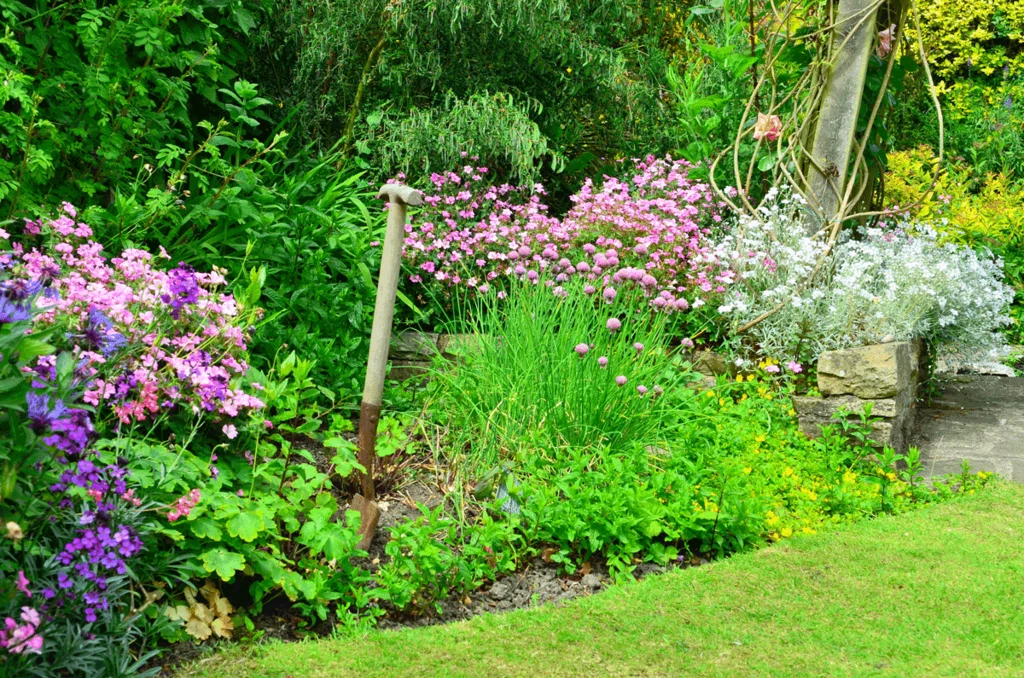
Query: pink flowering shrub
point(650, 232)
point(179, 337)
point(90, 348)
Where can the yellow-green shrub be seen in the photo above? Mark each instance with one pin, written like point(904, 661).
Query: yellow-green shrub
point(993, 215)
point(973, 35)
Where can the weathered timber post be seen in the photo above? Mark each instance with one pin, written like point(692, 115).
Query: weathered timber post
point(399, 199)
point(852, 38)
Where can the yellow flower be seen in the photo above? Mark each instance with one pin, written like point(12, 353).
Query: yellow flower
point(787, 472)
point(849, 477)
point(750, 377)
point(747, 470)
point(739, 378)
point(710, 394)
point(787, 532)
point(760, 437)
point(721, 401)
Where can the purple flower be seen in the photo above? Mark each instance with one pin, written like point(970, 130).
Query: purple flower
point(609, 294)
point(101, 335)
point(603, 361)
point(589, 289)
point(183, 287)
point(11, 312)
point(613, 324)
point(582, 349)
point(641, 389)
point(621, 380)
point(794, 367)
point(638, 347)
point(39, 412)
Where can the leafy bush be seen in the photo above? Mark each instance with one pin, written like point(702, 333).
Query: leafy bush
point(95, 94)
point(576, 81)
point(128, 398)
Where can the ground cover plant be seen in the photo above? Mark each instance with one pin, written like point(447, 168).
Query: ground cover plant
point(808, 605)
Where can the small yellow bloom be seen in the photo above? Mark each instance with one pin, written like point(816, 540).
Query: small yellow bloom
point(760, 437)
point(747, 470)
point(739, 378)
point(787, 532)
point(721, 401)
point(710, 394)
point(569, 71)
point(787, 472)
point(750, 377)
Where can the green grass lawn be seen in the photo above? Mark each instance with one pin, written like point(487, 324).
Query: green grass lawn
point(937, 592)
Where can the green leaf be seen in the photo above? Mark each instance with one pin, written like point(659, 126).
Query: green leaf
point(223, 562)
point(246, 525)
point(206, 528)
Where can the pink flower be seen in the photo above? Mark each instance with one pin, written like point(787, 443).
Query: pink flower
point(230, 431)
point(686, 343)
point(885, 41)
point(621, 380)
point(268, 424)
point(589, 289)
point(582, 349)
point(794, 367)
point(772, 369)
point(768, 127)
point(638, 347)
point(21, 583)
point(641, 389)
point(603, 361)
point(613, 324)
point(609, 294)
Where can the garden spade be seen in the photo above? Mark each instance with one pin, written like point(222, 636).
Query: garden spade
point(399, 199)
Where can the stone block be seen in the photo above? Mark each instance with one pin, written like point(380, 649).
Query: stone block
point(870, 372)
point(711, 364)
point(412, 345)
point(401, 370)
point(817, 407)
point(452, 345)
point(893, 433)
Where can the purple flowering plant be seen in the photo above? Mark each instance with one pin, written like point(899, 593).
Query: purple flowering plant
point(95, 352)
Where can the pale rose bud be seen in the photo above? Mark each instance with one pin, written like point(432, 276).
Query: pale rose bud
point(14, 531)
point(768, 127)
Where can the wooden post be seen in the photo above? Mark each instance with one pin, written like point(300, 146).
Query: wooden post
point(399, 199)
point(837, 117)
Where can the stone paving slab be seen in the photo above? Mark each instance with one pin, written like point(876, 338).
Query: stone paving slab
point(977, 418)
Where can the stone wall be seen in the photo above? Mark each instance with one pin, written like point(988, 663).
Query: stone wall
point(886, 375)
point(412, 352)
